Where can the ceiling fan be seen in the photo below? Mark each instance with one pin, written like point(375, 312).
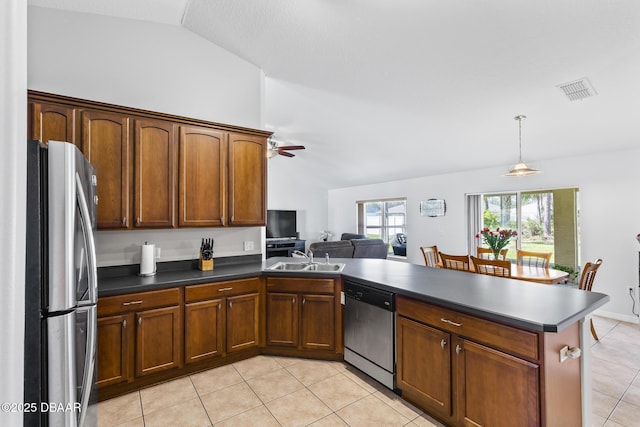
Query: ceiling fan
point(275, 148)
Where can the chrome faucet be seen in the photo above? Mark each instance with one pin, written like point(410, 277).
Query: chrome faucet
point(308, 256)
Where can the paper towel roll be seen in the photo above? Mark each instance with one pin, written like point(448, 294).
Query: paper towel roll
point(147, 260)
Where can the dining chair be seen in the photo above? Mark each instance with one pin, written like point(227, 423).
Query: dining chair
point(430, 254)
point(533, 259)
point(455, 262)
point(488, 253)
point(587, 277)
point(491, 267)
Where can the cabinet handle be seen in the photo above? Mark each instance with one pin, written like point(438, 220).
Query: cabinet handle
point(224, 289)
point(138, 221)
point(219, 306)
point(293, 300)
point(232, 217)
point(139, 320)
point(443, 343)
point(124, 323)
point(132, 303)
point(124, 220)
point(222, 220)
point(230, 304)
point(458, 349)
point(304, 300)
point(450, 322)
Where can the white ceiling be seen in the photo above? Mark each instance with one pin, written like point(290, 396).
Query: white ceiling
point(434, 83)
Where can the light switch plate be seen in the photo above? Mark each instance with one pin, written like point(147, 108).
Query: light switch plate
point(248, 245)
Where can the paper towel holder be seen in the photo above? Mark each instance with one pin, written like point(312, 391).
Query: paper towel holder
point(147, 260)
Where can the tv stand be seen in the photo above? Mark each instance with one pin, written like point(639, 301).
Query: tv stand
point(283, 247)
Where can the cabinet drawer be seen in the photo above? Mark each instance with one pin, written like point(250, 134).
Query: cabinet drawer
point(138, 301)
point(221, 289)
point(512, 340)
point(295, 284)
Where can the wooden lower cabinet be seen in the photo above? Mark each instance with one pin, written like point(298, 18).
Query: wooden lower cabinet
point(204, 330)
point(469, 380)
point(301, 314)
point(221, 318)
point(158, 340)
point(495, 388)
point(139, 334)
point(115, 349)
point(424, 365)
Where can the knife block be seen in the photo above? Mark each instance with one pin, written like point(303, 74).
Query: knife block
point(205, 264)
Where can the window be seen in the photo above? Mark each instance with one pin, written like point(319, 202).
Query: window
point(382, 219)
point(546, 221)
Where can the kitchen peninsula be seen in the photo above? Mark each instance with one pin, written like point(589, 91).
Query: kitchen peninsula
point(469, 347)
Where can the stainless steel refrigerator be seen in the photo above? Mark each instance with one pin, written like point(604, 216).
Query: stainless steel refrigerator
point(61, 288)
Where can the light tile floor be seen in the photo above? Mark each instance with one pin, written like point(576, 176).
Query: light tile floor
point(279, 391)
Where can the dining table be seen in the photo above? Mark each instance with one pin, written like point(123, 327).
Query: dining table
point(545, 275)
point(548, 276)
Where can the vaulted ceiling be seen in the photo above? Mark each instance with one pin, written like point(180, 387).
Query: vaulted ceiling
point(419, 87)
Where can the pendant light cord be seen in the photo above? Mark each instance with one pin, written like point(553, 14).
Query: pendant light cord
point(519, 119)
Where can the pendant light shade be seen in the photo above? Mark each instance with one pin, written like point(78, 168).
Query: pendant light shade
point(521, 168)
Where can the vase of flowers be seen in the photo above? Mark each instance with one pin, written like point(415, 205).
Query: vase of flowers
point(496, 240)
point(325, 235)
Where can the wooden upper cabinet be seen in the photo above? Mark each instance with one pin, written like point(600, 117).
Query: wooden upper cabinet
point(105, 143)
point(247, 179)
point(154, 172)
point(201, 177)
point(52, 122)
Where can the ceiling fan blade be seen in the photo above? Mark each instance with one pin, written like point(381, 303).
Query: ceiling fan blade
point(284, 153)
point(291, 147)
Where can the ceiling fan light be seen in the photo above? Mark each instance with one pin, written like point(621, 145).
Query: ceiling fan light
point(521, 169)
point(271, 153)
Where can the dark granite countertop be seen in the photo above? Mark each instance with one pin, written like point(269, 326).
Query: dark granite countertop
point(517, 303)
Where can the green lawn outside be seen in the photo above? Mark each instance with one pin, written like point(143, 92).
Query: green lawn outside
point(534, 247)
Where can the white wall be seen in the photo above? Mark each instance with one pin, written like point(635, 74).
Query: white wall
point(609, 213)
point(13, 134)
point(155, 67)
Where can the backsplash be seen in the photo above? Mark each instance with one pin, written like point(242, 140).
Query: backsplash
point(123, 247)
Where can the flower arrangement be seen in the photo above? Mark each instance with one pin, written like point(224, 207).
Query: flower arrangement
point(325, 235)
point(496, 240)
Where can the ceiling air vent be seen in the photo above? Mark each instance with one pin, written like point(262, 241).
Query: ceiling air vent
point(578, 90)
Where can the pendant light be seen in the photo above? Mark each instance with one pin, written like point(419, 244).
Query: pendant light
point(521, 168)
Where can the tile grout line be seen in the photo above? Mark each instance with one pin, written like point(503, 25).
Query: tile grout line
point(200, 399)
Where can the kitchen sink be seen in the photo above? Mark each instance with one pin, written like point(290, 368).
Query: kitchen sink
point(305, 267)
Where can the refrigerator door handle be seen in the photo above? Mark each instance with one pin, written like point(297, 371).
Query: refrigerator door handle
point(90, 360)
point(90, 242)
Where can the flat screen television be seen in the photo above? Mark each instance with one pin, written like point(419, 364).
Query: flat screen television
point(281, 224)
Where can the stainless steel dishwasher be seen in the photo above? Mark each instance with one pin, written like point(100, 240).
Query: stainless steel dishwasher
point(369, 331)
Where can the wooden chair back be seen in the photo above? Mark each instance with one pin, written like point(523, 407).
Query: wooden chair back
point(586, 282)
point(455, 262)
point(430, 254)
point(533, 259)
point(491, 267)
point(589, 274)
point(486, 253)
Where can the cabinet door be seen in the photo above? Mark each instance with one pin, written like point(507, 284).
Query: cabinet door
point(203, 330)
point(242, 322)
point(424, 365)
point(154, 193)
point(115, 342)
point(282, 319)
point(247, 180)
point(318, 322)
point(202, 177)
point(495, 388)
point(158, 340)
point(52, 122)
point(105, 142)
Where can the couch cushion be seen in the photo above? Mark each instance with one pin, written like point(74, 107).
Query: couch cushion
point(369, 248)
point(349, 236)
point(335, 249)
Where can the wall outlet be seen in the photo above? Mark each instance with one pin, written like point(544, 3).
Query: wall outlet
point(248, 245)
